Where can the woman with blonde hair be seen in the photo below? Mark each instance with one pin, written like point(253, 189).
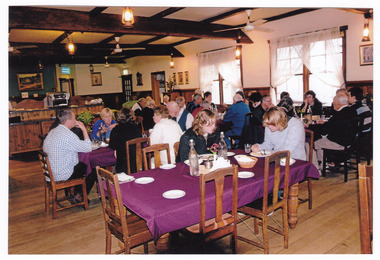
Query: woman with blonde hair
point(165, 131)
point(203, 132)
point(282, 133)
point(104, 126)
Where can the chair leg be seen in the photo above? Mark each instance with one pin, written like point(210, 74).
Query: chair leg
point(54, 202)
point(146, 248)
point(234, 240)
point(47, 199)
point(286, 225)
point(108, 241)
point(324, 164)
point(310, 188)
point(345, 171)
point(256, 225)
point(84, 192)
point(265, 235)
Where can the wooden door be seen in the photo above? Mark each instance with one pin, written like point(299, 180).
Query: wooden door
point(158, 85)
point(126, 82)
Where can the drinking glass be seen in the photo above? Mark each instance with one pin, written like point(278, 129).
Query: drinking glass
point(247, 148)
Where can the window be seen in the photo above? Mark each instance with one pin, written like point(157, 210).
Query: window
point(311, 61)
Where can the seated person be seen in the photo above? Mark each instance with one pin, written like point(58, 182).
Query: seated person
point(103, 127)
point(282, 133)
point(258, 113)
point(204, 105)
point(254, 100)
point(311, 103)
point(182, 116)
point(165, 131)
point(208, 97)
point(138, 107)
point(286, 103)
point(148, 113)
point(203, 132)
point(165, 100)
point(337, 132)
point(235, 114)
point(181, 102)
point(197, 99)
point(355, 97)
point(62, 147)
point(125, 130)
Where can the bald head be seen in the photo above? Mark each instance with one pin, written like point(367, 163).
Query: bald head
point(173, 108)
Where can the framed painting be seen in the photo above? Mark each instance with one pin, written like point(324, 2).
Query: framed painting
point(30, 81)
point(174, 78)
point(180, 78)
point(186, 77)
point(366, 54)
point(96, 79)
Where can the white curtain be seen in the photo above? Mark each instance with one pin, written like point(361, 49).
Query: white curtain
point(223, 62)
point(297, 49)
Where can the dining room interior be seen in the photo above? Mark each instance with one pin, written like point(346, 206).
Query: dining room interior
point(88, 58)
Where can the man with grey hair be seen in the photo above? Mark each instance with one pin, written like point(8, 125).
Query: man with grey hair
point(197, 99)
point(62, 147)
point(181, 102)
point(338, 132)
point(235, 116)
point(181, 116)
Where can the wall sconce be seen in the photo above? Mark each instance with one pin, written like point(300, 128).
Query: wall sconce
point(127, 17)
point(71, 47)
point(171, 61)
point(91, 68)
point(366, 32)
point(238, 52)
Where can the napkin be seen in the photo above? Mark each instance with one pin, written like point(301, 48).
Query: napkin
point(123, 177)
point(220, 163)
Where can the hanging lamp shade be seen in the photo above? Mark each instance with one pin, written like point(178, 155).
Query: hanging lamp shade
point(71, 47)
point(127, 17)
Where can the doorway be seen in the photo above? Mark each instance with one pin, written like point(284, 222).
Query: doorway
point(158, 86)
point(67, 86)
point(126, 83)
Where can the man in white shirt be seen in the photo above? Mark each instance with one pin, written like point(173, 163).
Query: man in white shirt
point(182, 116)
point(138, 107)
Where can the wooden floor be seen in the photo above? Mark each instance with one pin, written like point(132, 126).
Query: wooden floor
point(331, 227)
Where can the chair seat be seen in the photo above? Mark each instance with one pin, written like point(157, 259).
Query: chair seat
point(195, 228)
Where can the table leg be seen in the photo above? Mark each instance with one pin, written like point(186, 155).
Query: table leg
point(293, 205)
point(162, 244)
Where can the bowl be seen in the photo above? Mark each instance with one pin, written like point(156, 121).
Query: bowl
point(245, 161)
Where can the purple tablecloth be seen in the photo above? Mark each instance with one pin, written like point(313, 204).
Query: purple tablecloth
point(103, 157)
point(165, 215)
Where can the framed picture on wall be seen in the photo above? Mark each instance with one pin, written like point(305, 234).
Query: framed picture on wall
point(174, 78)
point(30, 81)
point(180, 78)
point(186, 77)
point(96, 79)
point(366, 54)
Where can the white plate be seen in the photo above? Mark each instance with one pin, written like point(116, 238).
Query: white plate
point(230, 153)
point(103, 145)
point(199, 161)
point(245, 175)
point(123, 177)
point(261, 155)
point(144, 180)
point(291, 161)
point(173, 194)
point(167, 166)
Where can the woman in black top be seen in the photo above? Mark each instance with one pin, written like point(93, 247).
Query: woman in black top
point(125, 130)
point(203, 132)
point(313, 103)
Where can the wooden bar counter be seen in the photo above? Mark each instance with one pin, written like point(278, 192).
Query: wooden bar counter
point(25, 135)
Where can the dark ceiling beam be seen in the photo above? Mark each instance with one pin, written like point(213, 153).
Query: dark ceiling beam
point(62, 37)
point(290, 14)
point(151, 40)
point(166, 12)
point(21, 17)
point(97, 10)
point(110, 39)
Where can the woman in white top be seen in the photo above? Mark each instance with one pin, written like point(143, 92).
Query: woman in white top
point(164, 131)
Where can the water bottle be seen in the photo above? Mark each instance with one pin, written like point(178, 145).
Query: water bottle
point(222, 151)
point(193, 160)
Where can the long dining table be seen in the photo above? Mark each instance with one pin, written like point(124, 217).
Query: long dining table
point(164, 215)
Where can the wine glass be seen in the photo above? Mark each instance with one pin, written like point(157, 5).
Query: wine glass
point(247, 148)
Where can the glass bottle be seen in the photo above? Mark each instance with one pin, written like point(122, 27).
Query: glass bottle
point(222, 151)
point(193, 159)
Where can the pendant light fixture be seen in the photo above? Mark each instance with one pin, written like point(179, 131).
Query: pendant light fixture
point(171, 61)
point(367, 16)
point(127, 17)
point(71, 47)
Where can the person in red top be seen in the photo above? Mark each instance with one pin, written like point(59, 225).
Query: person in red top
point(203, 105)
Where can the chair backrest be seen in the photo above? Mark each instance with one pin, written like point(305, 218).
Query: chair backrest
point(218, 176)
point(113, 208)
point(275, 177)
point(366, 206)
point(46, 169)
point(176, 147)
point(309, 138)
point(138, 142)
point(140, 120)
point(155, 149)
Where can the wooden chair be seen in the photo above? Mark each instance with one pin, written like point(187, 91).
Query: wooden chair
point(366, 207)
point(176, 148)
point(222, 224)
point(155, 149)
point(52, 187)
point(138, 142)
point(267, 206)
point(130, 229)
point(309, 134)
point(140, 120)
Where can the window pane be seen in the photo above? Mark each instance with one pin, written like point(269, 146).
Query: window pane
point(324, 92)
point(295, 88)
point(215, 92)
point(227, 93)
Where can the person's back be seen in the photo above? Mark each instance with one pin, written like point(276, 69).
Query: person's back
point(236, 114)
